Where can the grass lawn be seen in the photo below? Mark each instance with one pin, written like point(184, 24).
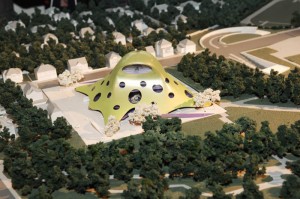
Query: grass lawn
point(66, 194)
point(265, 101)
point(200, 126)
point(278, 14)
point(265, 53)
point(76, 140)
point(294, 58)
point(238, 37)
point(188, 81)
point(275, 118)
point(272, 193)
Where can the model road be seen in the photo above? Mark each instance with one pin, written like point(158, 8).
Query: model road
point(213, 44)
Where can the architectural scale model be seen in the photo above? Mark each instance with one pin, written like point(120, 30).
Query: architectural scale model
point(150, 99)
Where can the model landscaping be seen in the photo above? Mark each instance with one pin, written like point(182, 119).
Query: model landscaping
point(117, 100)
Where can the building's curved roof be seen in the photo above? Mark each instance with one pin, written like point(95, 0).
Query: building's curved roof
point(137, 78)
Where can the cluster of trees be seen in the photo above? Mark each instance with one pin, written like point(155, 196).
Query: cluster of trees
point(41, 161)
point(295, 21)
point(235, 79)
point(57, 55)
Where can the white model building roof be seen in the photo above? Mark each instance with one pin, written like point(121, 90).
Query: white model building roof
point(160, 7)
point(83, 31)
point(44, 68)
point(13, 71)
point(118, 35)
point(76, 61)
point(12, 25)
point(35, 28)
point(164, 43)
point(195, 4)
point(30, 87)
point(49, 36)
point(112, 55)
point(186, 42)
point(150, 49)
point(148, 30)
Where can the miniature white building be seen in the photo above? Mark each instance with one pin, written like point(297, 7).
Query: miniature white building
point(112, 59)
point(186, 46)
point(54, 112)
point(147, 31)
point(139, 24)
point(31, 91)
point(195, 4)
point(14, 74)
point(12, 25)
point(161, 29)
point(49, 36)
point(110, 21)
point(164, 48)
point(45, 72)
point(78, 64)
point(181, 17)
point(160, 8)
point(2, 111)
point(35, 28)
point(59, 16)
point(50, 11)
point(150, 50)
point(85, 30)
point(119, 37)
point(85, 13)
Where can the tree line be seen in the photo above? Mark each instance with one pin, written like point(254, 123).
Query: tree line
point(235, 79)
point(41, 160)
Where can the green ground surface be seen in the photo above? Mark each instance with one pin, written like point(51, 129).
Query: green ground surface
point(272, 193)
point(265, 101)
point(265, 53)
point(238, 37)
point(275, 118)
point(76, 140)
point(200, 126)
point(276, 15)
point(188, 81)
point(66, 194)
point(294, 58)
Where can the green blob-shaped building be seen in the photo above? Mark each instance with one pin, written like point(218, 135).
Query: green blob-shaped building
point(137, 78)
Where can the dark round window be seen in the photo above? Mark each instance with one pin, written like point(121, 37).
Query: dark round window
point(96, 98)
point(171, 95)
point(122, 84)
point(116, 107)
point(188, 94)
point(143, 84)
point(167, 80)
point(107, 83)
point(175, 82)
point(108, 95)
point(135, 96)
point(102, 82)
point(157, 88)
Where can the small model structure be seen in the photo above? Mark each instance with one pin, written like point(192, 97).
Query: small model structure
point(150, 50)
point(139, 24)
point(59, 16)
point(54, 112)
point(31, 91)
point(119, 37)
point(14, 74)
point(181, 17)
point(112, 59)
point(160, 8)
point(49, 36)
point(164, 48)
point(85, 30)
point(78, 64)
point(45, 72)
point(147, 31)
point(186, 46)
point(12, 25)
point(138, 78)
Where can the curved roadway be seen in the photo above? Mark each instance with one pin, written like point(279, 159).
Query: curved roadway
point(213, 44)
